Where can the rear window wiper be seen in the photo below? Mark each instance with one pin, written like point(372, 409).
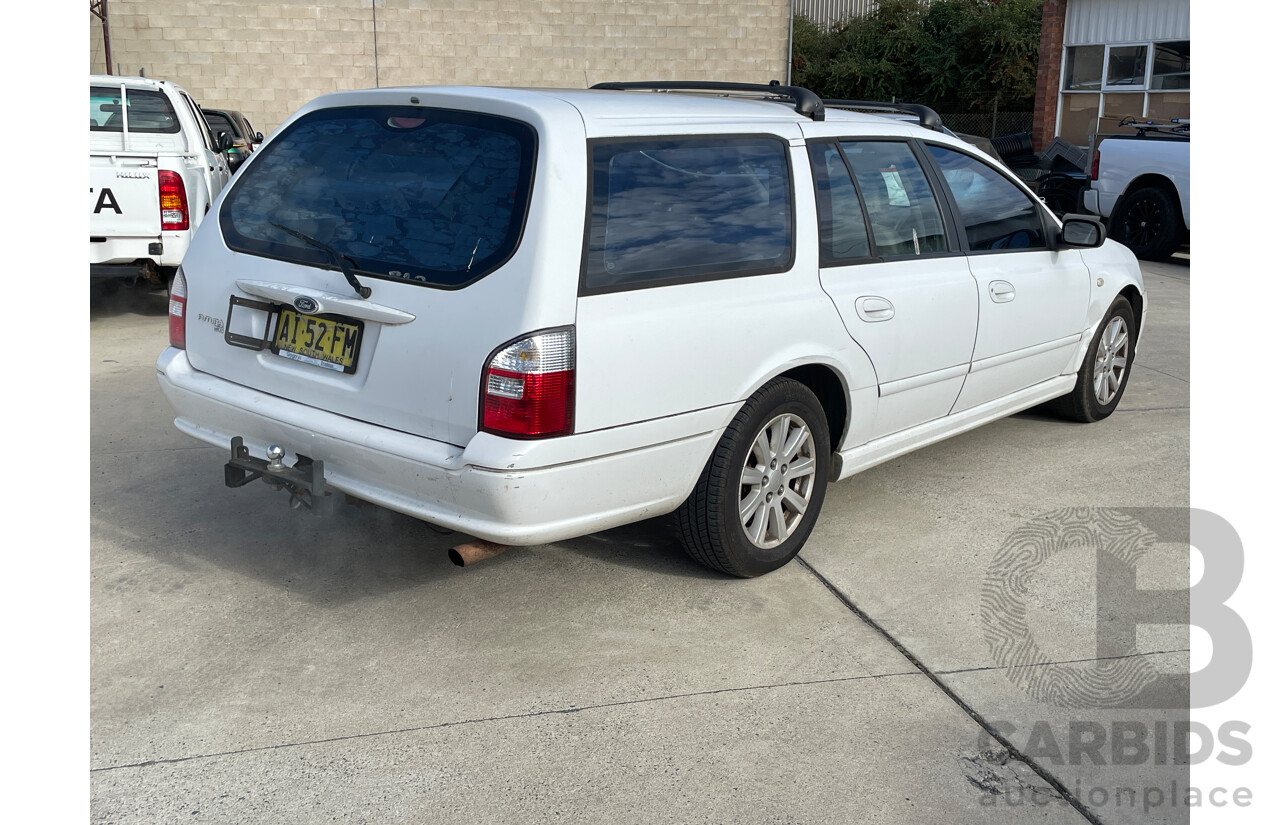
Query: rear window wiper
point(338, 258)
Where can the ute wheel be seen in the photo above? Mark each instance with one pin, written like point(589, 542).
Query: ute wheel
point(1105, 371)
point(759, 496)
point(1147, 222)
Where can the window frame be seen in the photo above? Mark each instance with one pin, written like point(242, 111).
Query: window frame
point(1146, 71)
point(584, 290)
point(1049, 227)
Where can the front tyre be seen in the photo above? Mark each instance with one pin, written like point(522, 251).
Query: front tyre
point(1105, 371)
point(759, 495)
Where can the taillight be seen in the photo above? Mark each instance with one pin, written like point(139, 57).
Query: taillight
point(527, 388)
point(178, 311)
point(173, 202)
point(1093, 167)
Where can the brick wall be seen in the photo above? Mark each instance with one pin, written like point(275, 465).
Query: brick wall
point(1052, 20)
point(268, 57)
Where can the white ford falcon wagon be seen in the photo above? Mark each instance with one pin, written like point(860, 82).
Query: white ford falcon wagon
point(532, 314)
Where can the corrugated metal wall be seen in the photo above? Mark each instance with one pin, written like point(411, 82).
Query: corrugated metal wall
point(826, 12)
point(1121, 21)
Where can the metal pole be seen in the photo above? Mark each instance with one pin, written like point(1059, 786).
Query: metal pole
point(98, 8)
point(373, 4)
point(791, 30)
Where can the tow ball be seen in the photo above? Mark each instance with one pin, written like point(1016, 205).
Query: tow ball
point(304, 481)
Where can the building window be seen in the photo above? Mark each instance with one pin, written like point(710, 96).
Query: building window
point(1103, 83)
point(1084, 68)
point(1171, 68)
point(1126, 67)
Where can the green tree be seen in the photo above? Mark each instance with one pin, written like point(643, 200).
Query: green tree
point(949, 54)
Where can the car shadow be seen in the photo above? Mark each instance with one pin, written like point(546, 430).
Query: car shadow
point(652, 546)
point(172, 506)
point(111, 299)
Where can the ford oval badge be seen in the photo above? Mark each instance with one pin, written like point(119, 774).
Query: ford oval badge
point(305, 305)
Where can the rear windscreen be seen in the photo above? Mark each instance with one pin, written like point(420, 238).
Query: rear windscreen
point(427, 196)
point(149, 112)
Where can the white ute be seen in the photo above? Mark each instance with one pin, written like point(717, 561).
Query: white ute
point(154, 171)
point(1141, 183)
point(527, 315)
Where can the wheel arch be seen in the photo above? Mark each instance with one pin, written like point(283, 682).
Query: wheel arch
point(832, 392)
point(1157, 181)
point(1133, 295)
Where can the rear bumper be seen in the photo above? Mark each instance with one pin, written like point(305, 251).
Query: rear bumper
point(599, 480)
point(121, 252)
point(1099, 203)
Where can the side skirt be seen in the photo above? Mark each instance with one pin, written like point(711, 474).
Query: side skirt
point(857, 459)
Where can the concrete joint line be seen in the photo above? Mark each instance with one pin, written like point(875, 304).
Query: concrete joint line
point(510, 717)
point(1014, 753)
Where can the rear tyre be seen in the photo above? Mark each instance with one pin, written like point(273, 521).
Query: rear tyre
point(1105, 371)
point(1147, 222)
point(759, 495)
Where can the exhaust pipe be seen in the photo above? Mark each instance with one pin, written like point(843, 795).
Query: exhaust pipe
point(465, 555)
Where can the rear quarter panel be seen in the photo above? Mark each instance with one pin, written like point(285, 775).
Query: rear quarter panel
point(649, 353)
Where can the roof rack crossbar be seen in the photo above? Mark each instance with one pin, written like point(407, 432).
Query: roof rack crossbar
point(807, 102)
point(928, 118)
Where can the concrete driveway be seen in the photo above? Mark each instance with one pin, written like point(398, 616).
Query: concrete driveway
point(253, 663)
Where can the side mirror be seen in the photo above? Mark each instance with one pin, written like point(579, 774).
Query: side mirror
point(1082, 232)
point(225, 141)
point(257, 138)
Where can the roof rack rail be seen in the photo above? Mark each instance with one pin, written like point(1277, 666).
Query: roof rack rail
point(928, 118)
point(807, 102)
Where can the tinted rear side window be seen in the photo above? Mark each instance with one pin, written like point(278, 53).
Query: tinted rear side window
point(904, 214)
point(149, 112)
point(670, 210)
point(428, 196)
point(218, 123)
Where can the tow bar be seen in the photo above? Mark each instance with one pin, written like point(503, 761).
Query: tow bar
point(304, 480)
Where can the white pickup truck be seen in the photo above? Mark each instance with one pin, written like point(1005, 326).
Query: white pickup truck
point(1141, 183)
point(154, 170)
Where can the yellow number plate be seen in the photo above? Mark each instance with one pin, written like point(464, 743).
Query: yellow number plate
point(325, 342)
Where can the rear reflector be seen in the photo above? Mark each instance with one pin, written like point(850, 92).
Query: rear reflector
point(527, 389)
point(173, 202)
point(178, 311)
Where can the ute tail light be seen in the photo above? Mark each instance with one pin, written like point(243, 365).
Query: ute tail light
point(178, 311)
point(1093, 167)
point(173, 202)
point(527, 388)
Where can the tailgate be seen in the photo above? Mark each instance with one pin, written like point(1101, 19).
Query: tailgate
point(124, 197)
point(433, 210)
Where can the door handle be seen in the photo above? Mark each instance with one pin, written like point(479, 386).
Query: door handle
point(872, 309)
point(1001, 291)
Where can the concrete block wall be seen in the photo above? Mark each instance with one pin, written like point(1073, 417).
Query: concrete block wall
point(268, 57)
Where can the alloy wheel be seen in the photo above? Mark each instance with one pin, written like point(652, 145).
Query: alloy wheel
point(1110, 361)
point(777, 481)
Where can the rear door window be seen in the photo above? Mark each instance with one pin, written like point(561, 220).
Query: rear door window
point(667, 211)
point(149, 112)
point(904, 214)
point(842, 225)
point(429, 196)
point(219, 123)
